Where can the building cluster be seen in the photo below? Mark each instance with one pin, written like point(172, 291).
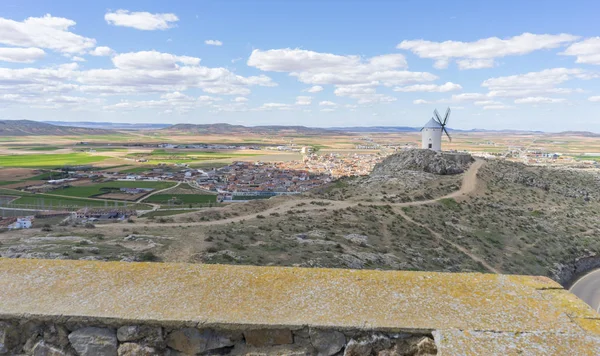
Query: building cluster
point(260, 178)
point(93, 214)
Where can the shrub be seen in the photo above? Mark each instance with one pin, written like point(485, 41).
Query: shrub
point(46, 227)
point(89, 225)
point(148, 257)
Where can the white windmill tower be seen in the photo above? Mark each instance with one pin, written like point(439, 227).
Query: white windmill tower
point(431, 133)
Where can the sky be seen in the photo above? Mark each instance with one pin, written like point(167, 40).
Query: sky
point(329, 63)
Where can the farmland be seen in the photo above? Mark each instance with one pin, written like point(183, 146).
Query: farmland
point(36, 201)
point(49, 160)
point(88, 191)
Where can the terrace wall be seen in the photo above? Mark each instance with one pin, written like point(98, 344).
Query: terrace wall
point(54, 307)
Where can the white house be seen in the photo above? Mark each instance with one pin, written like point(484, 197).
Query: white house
point(21, 223)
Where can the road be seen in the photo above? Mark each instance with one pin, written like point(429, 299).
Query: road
point(587, 288)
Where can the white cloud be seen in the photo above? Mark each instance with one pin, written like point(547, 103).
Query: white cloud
point(420, 102)
point(327, 68)
point(44, 32)
point(468, 97)
point(152, 60)
point(141, 20)
point(213, 42)
point(328, 110)
point(274, 106)
point(303, 100)
point(497, 107)
point(594, 98)
point(102, 51)
point(441, 63)
point(586, 51)
point(78, 59)
point(314, 89)
point(475, 63)
point(432, 88)
point(240, 99)
point(487, 102)
point(539, 100)
point(21, 55)
point(487, 48)
point(535, 83)
point(327, 103)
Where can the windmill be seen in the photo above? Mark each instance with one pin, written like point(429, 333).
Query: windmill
point(431, 133)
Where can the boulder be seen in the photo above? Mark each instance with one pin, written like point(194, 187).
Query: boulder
point(268, 337)
point(133, 349)
point(151, 335)
point(193, 341)
point(9, 337)
point(44, 349)
point(327, 342)
point(368, 345)
point(92, 341)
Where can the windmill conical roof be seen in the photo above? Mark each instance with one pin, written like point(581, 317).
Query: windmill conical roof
point(432, 124)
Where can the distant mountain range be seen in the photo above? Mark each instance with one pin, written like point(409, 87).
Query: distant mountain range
point(239, 129)
point(109, 125)
point(64, 128)
point(36, 128)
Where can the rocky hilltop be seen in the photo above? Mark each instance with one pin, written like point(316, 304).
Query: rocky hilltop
point(424, 160)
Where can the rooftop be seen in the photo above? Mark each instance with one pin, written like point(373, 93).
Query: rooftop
point(465, 311)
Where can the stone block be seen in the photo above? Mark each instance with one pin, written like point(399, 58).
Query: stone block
point(9, 337)
point(327, 342)
point(150, 334)
point(193, 341)
point(268, 337)
point(92, 341)
point(44, 349)
point(133, 349)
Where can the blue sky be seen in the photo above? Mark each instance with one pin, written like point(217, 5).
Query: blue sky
point(497, 64)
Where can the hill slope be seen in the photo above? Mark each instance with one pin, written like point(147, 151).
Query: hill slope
point(36, 128)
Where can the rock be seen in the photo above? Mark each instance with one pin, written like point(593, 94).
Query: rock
point(193, 341)
point(429, 161)
point(133, 349)
point(44, 349)
point(92, 341)
point(151, 335)
point(365, 346)
point(356, 238)
point(268, 337)
point(416, 345)
point(279, 350)
point(327, 342)
point(356, 348)
point(9, 337)
point(56, 335)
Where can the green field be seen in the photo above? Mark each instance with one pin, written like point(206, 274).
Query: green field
point(29, 200)
point(101, 188)
point(49, 160)
point(183, 198)
point(37, 148)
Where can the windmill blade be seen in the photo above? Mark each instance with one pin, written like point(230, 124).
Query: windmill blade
point(447, 134)
point(437, 116)
point(446, 116)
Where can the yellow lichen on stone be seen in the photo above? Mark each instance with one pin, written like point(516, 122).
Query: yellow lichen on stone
point(284, 297)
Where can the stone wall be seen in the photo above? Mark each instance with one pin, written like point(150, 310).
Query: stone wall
point(49, 338)
point(56, 307)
